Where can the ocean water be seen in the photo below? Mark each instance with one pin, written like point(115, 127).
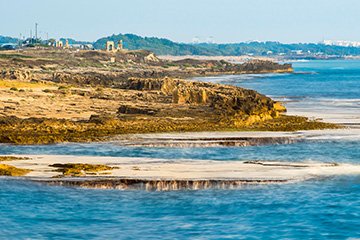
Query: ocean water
point(318, 209)
point(319, 89)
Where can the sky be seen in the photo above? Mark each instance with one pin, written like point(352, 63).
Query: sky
point(225, 21)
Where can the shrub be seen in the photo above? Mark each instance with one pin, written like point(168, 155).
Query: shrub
point(63, 87)
point(14, 89)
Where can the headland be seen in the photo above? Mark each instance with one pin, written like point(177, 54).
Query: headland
point(67, 95)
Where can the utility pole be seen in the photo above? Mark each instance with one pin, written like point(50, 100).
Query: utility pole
point(36, 24)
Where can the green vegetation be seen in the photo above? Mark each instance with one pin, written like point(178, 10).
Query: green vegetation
point(79, 169)
point(14, 89)
point(172, 65)
point(14, 56)
point(8, 170)
point(163, 46)
point(63, 87)
point(4, 39)
point(160, 46)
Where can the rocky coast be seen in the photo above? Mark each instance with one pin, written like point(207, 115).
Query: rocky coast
point(166, 174)
point(65, 95)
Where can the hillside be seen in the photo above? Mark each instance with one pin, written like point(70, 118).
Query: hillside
point(161, 46)
point(4, 39)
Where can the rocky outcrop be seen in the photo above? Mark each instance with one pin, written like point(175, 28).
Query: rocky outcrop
point(261, 66)
point(229, 99)
point(16, 75)
point(130, 109)
point(82, 79)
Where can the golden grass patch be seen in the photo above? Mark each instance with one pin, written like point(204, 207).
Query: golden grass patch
point(8, 170)
point(19, 84)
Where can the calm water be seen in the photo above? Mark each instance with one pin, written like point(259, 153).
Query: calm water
point(323, 209)
point(331, 89)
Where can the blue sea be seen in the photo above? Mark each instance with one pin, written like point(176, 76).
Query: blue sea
point(327, 208)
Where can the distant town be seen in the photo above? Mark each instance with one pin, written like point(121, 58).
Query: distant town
point(326, 49)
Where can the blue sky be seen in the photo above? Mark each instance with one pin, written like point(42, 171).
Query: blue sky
point(181, 20)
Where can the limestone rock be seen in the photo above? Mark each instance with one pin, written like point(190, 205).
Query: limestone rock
point(16, 75)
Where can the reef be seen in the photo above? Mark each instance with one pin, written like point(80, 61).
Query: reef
point(161, 185)
point(8, 170)
point(80, 169)
point(170, 174)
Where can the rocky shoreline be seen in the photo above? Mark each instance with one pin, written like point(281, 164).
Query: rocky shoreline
point(49, 96)
point(99, 68)
point(126, 173)
point(160, 185)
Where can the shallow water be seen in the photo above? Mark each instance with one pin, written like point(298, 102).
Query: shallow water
point(318, 209)
point(326, 209)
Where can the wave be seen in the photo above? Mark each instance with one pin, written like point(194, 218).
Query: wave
point(236, 78)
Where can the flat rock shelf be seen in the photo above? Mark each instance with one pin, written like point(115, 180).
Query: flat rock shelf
point(166, 174)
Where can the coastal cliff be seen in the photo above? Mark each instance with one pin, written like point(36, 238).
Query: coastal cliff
point(56, 96)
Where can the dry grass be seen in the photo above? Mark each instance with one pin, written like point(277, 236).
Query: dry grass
point(19, 84)
point(11, 158)
point(7, 170)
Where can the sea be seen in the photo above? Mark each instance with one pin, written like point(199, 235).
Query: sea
point(321, 208)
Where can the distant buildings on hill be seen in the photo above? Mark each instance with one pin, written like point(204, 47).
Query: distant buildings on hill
point(342, 43)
